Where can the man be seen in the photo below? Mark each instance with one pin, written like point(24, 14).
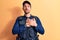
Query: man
point(28, 25)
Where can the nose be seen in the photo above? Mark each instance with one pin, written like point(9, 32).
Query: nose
point(26, 8)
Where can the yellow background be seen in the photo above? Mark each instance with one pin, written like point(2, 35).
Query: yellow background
point(47, 10)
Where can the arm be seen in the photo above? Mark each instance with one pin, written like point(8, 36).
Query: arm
point(39, 28)
point(15, 29)
point(18, 28)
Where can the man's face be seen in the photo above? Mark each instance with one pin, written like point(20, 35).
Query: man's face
point(26, 8)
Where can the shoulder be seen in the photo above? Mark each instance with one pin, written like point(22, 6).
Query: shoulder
point(20, 17)
point(36, 17)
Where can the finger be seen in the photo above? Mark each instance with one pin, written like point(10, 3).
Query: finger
point(28, 19)
point(33, 18)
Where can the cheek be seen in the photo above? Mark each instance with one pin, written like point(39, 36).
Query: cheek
point(29, 8)
point(24, 8)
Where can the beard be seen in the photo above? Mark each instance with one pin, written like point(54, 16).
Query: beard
point(26, 12)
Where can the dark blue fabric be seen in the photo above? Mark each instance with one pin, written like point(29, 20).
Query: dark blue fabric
point(19, 26)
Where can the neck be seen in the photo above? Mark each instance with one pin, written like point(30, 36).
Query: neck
point(27, 15)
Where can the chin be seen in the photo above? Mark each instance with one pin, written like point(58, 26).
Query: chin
point(27, 12)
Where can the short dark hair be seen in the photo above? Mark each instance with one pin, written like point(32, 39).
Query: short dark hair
point(27, 3)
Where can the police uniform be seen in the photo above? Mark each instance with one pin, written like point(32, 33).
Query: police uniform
point(27, 33)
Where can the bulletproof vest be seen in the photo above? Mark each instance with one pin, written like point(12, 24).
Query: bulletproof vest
point(28, 34)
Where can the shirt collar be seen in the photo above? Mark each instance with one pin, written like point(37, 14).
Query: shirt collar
point(29, 17)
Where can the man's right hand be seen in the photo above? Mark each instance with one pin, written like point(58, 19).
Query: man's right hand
point(28, 22)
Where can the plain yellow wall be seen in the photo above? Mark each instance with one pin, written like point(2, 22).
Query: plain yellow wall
point(47, 10)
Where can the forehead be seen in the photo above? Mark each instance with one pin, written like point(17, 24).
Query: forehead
point(26, 4)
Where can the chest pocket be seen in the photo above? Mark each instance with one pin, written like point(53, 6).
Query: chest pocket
point(22, 22)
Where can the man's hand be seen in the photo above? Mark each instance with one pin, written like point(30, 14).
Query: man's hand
point(31, 22)
point(28, 22)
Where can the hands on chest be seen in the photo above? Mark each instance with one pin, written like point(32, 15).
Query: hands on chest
point(31, 22)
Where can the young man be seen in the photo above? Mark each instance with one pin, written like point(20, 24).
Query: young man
point(28, 25)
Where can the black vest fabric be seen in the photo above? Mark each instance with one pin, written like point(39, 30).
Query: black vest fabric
point(28, 34)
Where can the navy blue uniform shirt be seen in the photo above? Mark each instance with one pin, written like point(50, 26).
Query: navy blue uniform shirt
point(20, 26)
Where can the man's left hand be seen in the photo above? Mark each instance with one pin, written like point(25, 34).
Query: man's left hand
point(33, 22)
